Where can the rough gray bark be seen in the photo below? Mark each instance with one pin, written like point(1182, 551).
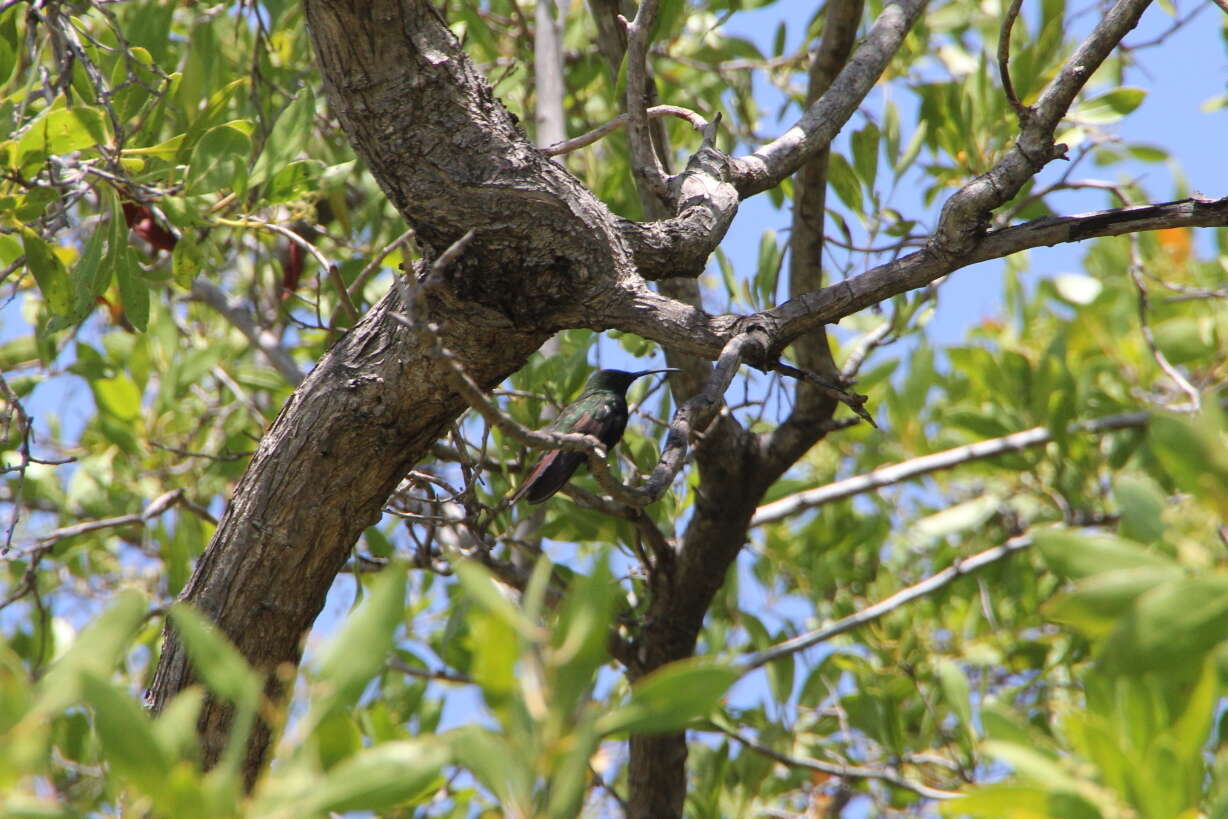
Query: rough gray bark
point(451, 158)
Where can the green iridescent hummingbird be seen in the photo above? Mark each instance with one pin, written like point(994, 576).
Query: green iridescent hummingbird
point(600, 411)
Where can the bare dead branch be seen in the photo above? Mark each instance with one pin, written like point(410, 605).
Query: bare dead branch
point(854, 401)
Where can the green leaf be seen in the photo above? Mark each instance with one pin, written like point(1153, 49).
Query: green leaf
point(128, 741)
point(1173, 625)
point(670, 698)
point(1032, 765)
point(214, 658)
point(360, 648)
point(1141, 505)
point(767, 270)
point(493, 761)
point(294, 181)
point(1194, 451)
point(581, 636)
point(865, 154)
point(133, 292)
point(175, 726)
point(60, 131)
point(118, 396)
point(1187, 338)
point(1110, 106)
point(165, 150)
point(1074, 555)
point(1020, 802)
point(957, 693)
point(845, 182)
point(492, 644)
point(1095, 603)
point(91, 277)
point(954, 519)
point(187, 259)
point(915, 143)
point(97, 650)
point(289, 136)
point(1147, 153)
point(480, 587)
point(379, 778)
point(219, 159)
point(48, 272)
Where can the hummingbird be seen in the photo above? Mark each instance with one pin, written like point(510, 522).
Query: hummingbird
point(600, 411)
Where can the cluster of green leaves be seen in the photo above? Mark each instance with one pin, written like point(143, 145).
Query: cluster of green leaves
point(126, 183)
point(1096, 655)
point(536, 670)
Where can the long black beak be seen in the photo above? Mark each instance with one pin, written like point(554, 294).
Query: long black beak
point(650, 372)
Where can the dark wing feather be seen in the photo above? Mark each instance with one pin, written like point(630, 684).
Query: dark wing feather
point(549, 475)
point(597, 418)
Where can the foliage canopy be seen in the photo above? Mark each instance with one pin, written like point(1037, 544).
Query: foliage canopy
point(1014, 594)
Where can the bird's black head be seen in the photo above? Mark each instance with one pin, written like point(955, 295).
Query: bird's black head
point(618, 380)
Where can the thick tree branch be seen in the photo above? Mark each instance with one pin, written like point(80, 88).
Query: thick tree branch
point(924, 266)
point(679, 247)
point(769, 165)
point(649, 174)
point(965, 214)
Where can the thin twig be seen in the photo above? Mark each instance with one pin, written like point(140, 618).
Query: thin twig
point(1136, 267)
point(250, 222)
point(852, 400)
point(1004, 58)
point(925, 464)
point(437, 675)
point(575, 143)
point(871, 613)
point(845, 771)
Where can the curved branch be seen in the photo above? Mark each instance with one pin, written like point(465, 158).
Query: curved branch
point(965, 214)
point(655, 112)
point(832, 303)
point(769, 165)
